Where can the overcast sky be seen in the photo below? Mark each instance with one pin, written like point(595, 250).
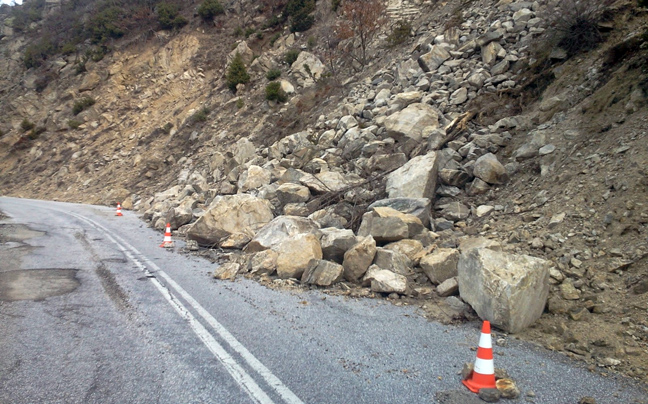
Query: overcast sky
point(10, 1)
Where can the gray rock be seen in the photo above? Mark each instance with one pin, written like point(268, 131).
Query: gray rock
point(322, 273)
point(406, 126)
point(448, 287)
point(508, 290)
point(459, 96)
point(264, 262)
point(489, 395)
point(416, 179)
point(455, 211)
point(230, 214)
point(385, 281)
point(335, 242)
point(434, 58)
point(292, 193)
point(419, 207)
point(280, 229)
point(386, 224)
point(393, 261)
point(490, 170)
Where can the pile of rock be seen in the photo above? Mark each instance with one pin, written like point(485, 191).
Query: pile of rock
point(397, 146)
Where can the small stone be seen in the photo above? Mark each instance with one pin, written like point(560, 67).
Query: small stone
point(448, 287)
point(507, 388)
point(537, 243)
point(547, 149)
point(576, 263)
point(501, 374)
point(568, 291)
point(490, 395)
point(579, 314)
point(531, 394)
point(227, 271)
point(556, 274)
point(191, 245)
point(483, 210)
point(467, 370)
point(610, 362)
point(556, 219)
point(587, 400)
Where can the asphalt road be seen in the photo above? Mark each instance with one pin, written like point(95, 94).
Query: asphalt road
point(92, 310)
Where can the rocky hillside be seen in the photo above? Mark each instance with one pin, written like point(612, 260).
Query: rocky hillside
point(484, 167)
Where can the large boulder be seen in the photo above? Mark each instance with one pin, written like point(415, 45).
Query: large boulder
point(406, 126)
point(358, 259)
point(322, 273)
point(244, 50)
point(434, 58)
point(412, 249)
point(508, 290)
point(416, 179)
point(490, 170)
point(385, 281)
point(385, 224)
point(393, 260)
point(440, 265)
point(295, 254)
point(419, 207)
point(292, 193)
point(307, 69)
point(230, 214)
point(280, 229)
point(254, 177)
point(335, 242)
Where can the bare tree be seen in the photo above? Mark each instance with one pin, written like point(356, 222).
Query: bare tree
point(361, 20)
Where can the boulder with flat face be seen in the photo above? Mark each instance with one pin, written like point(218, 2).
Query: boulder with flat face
point(280, 229)
point(230, 214)
point(358, 259)
point(294, 255)
point(335, 242)
point(322, 273)
point(509, 290)
point(440, 265)
point(416, 179)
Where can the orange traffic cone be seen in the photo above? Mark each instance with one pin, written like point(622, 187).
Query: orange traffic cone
point(483, 375)
point(118, 210)
point(168, 242)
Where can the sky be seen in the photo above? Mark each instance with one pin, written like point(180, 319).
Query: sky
point(10, 1)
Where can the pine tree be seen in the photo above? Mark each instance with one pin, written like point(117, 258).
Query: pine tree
point(236, 73)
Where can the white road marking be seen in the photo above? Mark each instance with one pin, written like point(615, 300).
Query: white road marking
point(238, 373)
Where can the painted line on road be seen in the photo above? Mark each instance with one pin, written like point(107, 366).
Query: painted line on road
point(238, 373)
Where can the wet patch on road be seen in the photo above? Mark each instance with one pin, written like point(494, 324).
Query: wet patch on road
point(37, 284)
point(17, 233)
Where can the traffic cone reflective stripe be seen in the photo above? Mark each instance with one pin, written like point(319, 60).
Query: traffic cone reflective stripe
point(483, 375)
point(168, 241)
point(118, 210)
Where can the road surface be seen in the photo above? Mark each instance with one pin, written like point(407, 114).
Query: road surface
point(92, 310)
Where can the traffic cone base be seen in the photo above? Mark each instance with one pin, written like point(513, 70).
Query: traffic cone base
point(483, 375)
point(168, 241)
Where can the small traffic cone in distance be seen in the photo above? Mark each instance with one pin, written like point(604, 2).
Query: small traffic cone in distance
point(483, 375)
point(118, 210)
point(168, 241)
